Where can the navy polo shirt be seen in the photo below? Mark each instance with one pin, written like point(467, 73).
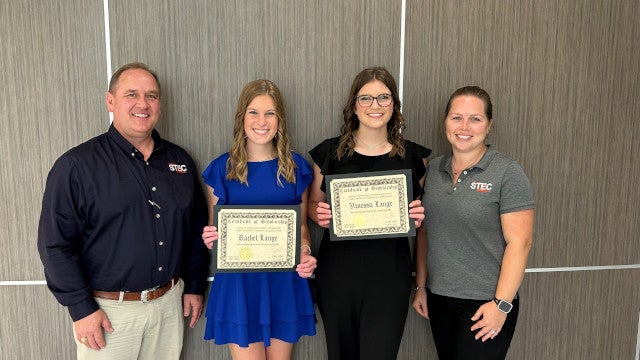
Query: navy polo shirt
point(112, 221)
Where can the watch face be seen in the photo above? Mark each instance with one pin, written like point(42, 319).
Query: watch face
point(504, 306)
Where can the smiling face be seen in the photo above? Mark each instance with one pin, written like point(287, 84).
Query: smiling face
point(374, 116)
point(466, 124)
point(260, 121)
point(135, 104)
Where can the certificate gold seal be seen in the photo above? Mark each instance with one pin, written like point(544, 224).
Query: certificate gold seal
point(359, 221)
point(246, 253)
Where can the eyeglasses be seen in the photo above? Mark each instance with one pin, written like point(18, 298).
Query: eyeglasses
point(367, 100)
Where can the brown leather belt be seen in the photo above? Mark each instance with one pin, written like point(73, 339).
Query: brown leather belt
point(144, 296)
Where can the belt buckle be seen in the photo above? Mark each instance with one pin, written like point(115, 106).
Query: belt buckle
point(143, 295)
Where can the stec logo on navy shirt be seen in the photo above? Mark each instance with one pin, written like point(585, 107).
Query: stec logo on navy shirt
point(180, 169)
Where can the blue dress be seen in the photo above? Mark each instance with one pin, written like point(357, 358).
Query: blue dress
point(245, 308)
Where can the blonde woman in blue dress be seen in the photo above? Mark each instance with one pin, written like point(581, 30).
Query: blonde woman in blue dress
point(260, 314)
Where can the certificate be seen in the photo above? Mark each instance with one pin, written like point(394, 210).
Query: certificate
point(370, 205)
point(256, 238)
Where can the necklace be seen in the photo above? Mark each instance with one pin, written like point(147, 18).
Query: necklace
point(258, 157)
point(456, 172)
point(371, 147)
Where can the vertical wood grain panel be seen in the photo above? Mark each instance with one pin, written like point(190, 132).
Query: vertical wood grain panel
point(34, 326)
point(586, 315)
point(564, 81)
point(51, 97)
point(207, 51)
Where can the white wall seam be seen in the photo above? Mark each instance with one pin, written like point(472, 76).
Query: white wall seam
point(402, 40)
point(107, 45)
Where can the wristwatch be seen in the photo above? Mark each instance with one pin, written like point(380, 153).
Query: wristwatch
point(503, 305)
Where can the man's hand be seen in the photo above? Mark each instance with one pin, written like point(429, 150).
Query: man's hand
point(193, 305)
point(89, 330)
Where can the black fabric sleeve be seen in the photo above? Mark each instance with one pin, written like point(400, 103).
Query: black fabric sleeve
point(323, 153)
point(59, 239)
point(195, 260)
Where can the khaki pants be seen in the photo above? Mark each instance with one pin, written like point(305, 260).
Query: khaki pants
point(151, 330)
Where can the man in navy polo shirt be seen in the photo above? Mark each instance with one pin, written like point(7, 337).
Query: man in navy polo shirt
point(120, 231)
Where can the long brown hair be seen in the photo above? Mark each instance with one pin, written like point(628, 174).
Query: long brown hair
point(351, 123)
point(237, 163)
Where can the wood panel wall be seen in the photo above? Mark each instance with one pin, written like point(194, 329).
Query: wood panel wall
point(564, 77)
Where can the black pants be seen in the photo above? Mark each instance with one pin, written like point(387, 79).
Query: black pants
point(363, 296)
point(451, 326)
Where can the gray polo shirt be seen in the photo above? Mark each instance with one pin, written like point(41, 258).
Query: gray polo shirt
point(465, 243)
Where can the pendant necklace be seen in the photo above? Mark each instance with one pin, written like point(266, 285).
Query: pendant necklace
point(371, 147)
point(456, 172)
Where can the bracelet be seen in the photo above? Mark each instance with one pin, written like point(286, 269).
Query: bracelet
point(305, 246)
point(419, 288)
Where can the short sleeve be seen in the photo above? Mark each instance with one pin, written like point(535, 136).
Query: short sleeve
point(516, 192)
point(417, 155)
point(323, 153)
point(215, 176)
point(304, 174)
point(423, 152)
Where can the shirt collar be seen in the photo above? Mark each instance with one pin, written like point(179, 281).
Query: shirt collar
point(445, 164)
point(126, 145)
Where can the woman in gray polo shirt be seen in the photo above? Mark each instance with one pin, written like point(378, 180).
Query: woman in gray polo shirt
point(479, 218)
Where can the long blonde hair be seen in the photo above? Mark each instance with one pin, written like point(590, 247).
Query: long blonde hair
point(237, 163)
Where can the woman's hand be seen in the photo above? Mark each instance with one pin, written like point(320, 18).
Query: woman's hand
point(306, 266)
point(209, 235)
point(488, 321)
point(416, 212)
point(324, 214)
point(420, 303)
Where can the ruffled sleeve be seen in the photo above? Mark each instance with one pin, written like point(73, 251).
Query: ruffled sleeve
point(323, 153)
point(423, 152)
point(215, 176)
point(417, 153)
point(304, 174)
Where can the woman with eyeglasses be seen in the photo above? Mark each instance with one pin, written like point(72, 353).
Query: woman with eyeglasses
point(363, 286)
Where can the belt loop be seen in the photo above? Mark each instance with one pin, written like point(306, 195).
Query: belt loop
point(121, 297)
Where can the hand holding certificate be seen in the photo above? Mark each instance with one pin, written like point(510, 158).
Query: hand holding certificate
point(370, 205)
point(257, 238)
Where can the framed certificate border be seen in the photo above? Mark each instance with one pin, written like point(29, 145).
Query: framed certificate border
point(370, 205)
point(256, 238)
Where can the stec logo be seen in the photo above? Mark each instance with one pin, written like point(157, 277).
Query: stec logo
point(180, 169)
point(480, 186)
